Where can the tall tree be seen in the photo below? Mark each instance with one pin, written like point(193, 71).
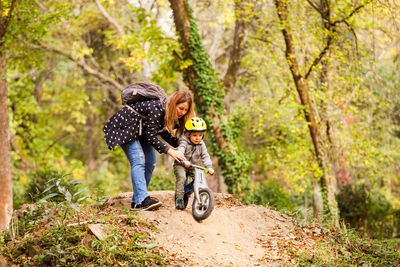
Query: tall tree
point(199, 77)
point(237, 52)
point(6, 200)
point(339, 165)
point(302, 85)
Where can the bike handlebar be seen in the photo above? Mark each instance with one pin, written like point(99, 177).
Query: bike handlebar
point(192, 165)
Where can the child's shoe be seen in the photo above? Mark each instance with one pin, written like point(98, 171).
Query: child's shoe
point(179, 203)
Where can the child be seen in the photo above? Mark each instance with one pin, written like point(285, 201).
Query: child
point(192, 146)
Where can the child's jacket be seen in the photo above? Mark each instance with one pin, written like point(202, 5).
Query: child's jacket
point(196, 154)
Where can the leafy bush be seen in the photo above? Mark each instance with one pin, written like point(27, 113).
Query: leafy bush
point(160, 181)
point(367, 209)
point(42, 179)
point(272, 193)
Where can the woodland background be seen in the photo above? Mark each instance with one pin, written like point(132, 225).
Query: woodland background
point(66, 62)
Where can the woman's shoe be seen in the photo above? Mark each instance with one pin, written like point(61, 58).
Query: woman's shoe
point(147, 204)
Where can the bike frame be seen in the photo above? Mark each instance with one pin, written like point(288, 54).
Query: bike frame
point(199, 180)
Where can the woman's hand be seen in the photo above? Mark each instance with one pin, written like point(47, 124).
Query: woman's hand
point(177, 155)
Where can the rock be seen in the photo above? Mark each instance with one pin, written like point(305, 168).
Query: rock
point(99, 230)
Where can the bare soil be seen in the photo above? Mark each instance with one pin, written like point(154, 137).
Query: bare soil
point(233, 235)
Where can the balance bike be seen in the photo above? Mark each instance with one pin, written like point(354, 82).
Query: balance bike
point(203, 201)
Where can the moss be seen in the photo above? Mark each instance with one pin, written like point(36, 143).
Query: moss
point(232, 161)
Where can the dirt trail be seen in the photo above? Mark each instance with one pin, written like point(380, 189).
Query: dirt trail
point(234, 234)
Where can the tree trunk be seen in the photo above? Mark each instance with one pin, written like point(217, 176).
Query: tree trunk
point(336, 158)
point(6, 199)
point(200, 79)
point(301, 83)
point(317, 202)
point(235, 59)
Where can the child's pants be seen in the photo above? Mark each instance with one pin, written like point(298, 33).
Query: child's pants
point(180, 174)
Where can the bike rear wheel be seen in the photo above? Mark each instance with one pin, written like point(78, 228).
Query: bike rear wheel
point(201, 210)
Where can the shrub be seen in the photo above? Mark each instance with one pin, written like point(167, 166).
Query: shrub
point(367, 209)
point(42, 179)
point(160, 181)
point(272, 193)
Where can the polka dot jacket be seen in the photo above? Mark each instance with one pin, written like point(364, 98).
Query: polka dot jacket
point(124, 126)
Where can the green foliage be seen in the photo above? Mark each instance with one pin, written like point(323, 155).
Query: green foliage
point(273, 194)
point(162, 181)
point(367, 209)
point(280, 151)
point(42, 240)
point(49, 182)
point(344, 247)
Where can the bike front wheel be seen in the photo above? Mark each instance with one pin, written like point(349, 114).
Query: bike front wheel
point(203, 208)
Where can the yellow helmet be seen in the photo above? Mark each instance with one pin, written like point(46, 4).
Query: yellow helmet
point(195, 124)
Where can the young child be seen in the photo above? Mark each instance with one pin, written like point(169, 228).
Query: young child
point(192, 146)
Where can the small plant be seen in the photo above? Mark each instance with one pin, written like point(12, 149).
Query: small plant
point(38, 186)
point(65, 191)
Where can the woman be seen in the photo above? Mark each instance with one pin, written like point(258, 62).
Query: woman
point(135, 128)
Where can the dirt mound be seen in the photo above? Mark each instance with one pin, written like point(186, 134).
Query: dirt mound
point(234, 234)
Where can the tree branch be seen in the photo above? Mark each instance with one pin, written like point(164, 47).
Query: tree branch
point(10, 13)
point(354, 33)
point(54, 143)
point(4, 24)
point(264, 40)
point(320, 56)
point(332, 29)
point(351, 13)
point(81, 63)
point(315, 7)
point(110, 19)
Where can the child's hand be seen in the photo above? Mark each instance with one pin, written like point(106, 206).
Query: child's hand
point(186, 163)
point(211, 171)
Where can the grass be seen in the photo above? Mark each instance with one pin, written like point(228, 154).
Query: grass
point(345, 247)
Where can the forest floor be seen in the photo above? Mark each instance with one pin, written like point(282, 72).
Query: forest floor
point(233, 235)
point(107, 233)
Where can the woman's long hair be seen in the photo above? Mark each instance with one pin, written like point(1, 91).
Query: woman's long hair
point(171, 118)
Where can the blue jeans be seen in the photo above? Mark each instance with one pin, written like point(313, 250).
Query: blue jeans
point(142, 158)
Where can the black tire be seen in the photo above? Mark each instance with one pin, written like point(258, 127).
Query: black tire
point(201, 211)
